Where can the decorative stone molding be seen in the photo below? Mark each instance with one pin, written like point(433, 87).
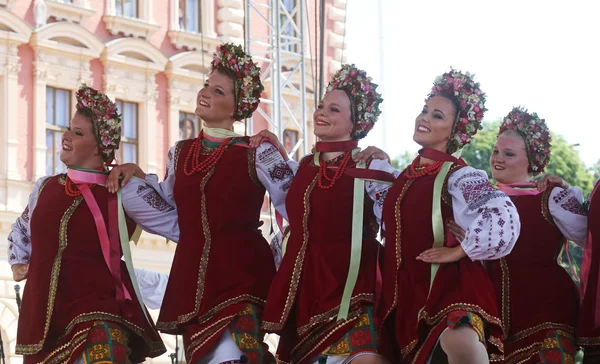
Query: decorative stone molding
point(182, 39)
point(231, 21)
point(130, 68)
point(76, 12)
point(337, 13)
point(63, 52)
point(186, 72)
point(16, 32)
point(140, 27)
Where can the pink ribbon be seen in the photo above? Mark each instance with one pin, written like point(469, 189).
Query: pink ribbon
point(510, 189)
point(586, 264)
point(109, 238)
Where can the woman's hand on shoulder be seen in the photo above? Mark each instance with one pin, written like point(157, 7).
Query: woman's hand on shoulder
point(126, 171)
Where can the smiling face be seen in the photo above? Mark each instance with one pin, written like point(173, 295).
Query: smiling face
point(509, 162)
point(215, 103)
point(79, 145)
point(333, 119)
point(434, 124)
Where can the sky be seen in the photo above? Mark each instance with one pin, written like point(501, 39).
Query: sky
point(543, 55)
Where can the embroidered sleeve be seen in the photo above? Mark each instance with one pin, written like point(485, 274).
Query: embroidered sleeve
point(152, 287)
point(377, 191)
point(566, 208)
point(165, 188)
point(150, 203)
point(488, 216)
point(19, 238)
point(144, 205)
point(275, 173)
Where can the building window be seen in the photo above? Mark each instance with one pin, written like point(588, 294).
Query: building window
point(128, 8)
point(190, 16)
point(58, 110)
point(188, 126)
point(128, 151)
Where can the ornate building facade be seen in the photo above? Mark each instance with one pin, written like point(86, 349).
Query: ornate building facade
point(152, 57)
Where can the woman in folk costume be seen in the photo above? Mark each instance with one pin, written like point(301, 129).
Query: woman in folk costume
point(538, 300)
point(81, 303)
point(588, 328)
point(322, 298)
point(438, 304)
point(223, 266)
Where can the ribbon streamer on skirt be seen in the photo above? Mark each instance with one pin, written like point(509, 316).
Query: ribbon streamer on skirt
point(437, 220)
point(586, 264)
point(111, 238)
point(357, 236)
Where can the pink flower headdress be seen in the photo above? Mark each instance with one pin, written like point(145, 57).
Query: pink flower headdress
point(106, 119)
point(534, 132)
point(364, 99)
point(462, 88)
point(247, 85)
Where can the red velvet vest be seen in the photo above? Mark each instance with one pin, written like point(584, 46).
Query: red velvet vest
point(69, 282)
point(221, 258)
point(312, 275)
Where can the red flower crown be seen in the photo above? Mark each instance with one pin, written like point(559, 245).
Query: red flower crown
point(535, 133)
point(471, 103)
point(364, 99)
point(106, 119)
point(247, 85)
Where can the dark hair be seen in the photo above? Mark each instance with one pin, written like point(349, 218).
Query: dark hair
point(88, 113)
point(454, 101)
point(452, 143)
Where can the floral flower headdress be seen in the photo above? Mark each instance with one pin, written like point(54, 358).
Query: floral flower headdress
point(471, 102)
point(364, 99)
point(247, 86)
point(535, 133)
point(106, 119)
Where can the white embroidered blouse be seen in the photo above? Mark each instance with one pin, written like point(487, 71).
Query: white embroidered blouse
point(152, 284)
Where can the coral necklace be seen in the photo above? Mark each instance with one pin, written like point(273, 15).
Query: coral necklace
point(324, 147)
point(416, 170)
point(209, 162)
point(337, 175)
point(72, 190)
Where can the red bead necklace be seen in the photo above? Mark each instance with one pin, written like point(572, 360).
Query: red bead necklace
point(209, 162)
point(71, 188)
point(337, 175)
point(416, 170)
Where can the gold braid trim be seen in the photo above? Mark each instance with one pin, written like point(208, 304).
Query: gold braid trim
point(30, 349)
point(172, 325)
point(332, 314)
point(291, 296)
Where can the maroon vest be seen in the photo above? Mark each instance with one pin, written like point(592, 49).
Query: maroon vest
point(69, 282)
point(413, 316)
point(221, 258)
point(534, 292)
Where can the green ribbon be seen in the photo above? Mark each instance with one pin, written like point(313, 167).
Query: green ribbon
point(124, 237)
point(437, 221)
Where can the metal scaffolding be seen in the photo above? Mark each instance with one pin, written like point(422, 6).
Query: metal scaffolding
point(282, 55)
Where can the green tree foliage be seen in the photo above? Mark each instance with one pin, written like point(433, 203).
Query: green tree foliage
point(564, 162)
point(403, 160)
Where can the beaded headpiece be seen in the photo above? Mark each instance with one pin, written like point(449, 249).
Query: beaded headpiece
point(247, 85)
point(106, 119)
point(462, 88)
point(364, 99)
point(534, 132)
